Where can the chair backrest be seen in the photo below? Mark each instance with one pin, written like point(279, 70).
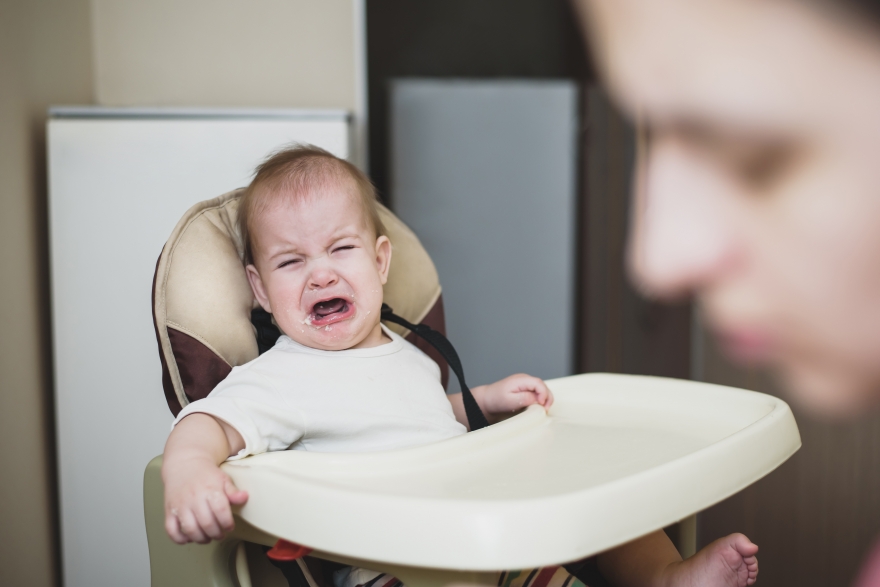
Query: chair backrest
point(202, 301)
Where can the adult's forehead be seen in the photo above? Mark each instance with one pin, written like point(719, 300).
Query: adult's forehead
point(774, 62)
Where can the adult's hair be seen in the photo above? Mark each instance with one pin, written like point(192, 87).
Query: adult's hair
point(869, 7)
point(857, 8)
point(297, 172)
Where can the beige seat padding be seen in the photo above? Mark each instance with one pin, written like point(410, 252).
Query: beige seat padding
point(201, 288)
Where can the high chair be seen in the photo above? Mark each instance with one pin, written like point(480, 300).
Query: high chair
point(616, 457)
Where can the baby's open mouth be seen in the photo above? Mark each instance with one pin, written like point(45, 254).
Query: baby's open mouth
point(330, 311)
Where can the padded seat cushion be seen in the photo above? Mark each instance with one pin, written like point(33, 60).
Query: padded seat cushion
point(202, 301)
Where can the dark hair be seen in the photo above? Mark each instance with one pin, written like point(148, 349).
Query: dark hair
point(852, 8)
point(297, 171)
point(868, 7)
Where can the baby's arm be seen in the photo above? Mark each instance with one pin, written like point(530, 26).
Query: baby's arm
point(504, 398)
point(197, 492)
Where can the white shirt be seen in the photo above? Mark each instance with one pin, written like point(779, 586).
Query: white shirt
point(356, 400)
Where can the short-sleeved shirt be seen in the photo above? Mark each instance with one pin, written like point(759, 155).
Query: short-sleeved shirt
point(355, 400)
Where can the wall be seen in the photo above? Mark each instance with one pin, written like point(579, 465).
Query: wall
point(279, 53)
point(45, 58)
point(262, 53)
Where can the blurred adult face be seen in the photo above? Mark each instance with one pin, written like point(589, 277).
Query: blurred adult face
point(759, 189)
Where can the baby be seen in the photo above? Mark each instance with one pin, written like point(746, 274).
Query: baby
point(339, 381)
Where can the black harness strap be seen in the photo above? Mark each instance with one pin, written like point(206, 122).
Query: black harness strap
point(266, 331)
point(475, 416)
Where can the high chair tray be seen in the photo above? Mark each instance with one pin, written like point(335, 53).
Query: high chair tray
point(617, 457)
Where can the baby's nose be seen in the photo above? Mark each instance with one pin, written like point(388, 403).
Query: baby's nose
point(322, 277)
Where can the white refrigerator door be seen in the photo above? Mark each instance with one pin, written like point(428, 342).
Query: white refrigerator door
point(119, 180)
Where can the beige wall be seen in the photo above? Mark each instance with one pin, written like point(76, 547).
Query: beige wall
point(255, 53)
point(45, 58)
point(280, 53)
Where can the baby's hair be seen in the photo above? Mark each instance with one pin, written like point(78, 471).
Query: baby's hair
point(297, 171)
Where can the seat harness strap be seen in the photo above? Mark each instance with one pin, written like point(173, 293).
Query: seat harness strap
point(475, 416)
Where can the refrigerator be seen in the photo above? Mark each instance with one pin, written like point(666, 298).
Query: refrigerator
point(119, 180)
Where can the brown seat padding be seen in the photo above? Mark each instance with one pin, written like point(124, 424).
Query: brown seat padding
point(202, 301)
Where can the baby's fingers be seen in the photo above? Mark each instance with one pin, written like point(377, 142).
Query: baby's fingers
point(208, 523)
point(219, 505)
point(236, 496)
point(543, 396)
point(190, 527)
point(172, 526)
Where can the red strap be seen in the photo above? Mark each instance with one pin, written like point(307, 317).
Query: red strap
point(287, 551)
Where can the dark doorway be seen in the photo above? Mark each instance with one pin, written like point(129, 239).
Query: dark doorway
point(463, 38)
point(618, 330)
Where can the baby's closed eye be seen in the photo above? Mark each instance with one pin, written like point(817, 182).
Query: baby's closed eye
point(288, 262)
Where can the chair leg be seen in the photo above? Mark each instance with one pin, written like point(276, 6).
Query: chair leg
point(687, 537)
point(242, 569)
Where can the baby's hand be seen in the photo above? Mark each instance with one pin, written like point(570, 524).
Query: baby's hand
point(197, 501)
point(512, 394)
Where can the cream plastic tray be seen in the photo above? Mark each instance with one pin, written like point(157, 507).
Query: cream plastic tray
point(616, 458)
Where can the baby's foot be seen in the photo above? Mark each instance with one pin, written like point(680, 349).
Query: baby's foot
point(727, 562)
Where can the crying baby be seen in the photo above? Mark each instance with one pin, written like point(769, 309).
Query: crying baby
point(338, 380)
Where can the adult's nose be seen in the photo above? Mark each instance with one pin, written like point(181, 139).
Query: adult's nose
point(681, 238)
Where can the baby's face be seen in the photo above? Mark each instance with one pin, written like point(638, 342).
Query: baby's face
point(319, 270)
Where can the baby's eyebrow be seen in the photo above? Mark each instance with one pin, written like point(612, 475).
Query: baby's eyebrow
point(290, 249)
point(284, 250)
point(342, 235)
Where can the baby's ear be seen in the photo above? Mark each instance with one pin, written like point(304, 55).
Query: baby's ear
point(383, 257)
point(257, 287)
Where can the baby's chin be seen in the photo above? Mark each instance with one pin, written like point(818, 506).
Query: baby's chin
point(340, 336)
point(326, 338)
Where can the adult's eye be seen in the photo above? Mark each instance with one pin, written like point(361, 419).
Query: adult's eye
point(761, 167)
point(756, 160)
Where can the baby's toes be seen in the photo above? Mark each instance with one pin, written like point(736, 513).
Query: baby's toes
point(744, 569)
point(752, 565)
